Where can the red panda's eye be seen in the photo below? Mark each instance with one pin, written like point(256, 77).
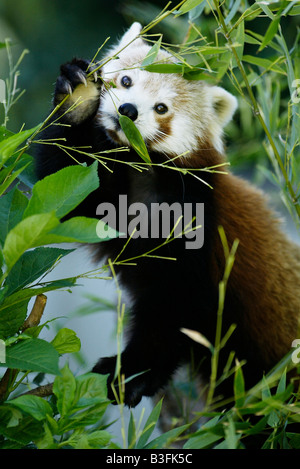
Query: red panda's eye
point(160, 108)
point(126, 81)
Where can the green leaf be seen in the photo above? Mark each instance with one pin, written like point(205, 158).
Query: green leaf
point(204, 440)
point(66, 341)
point(61, 192)
point(195, 75)
point(251, 40)
point(83, 418)
point(165, 68)
point(295, 9)
point(264, 63)
point(275, 112)
point(271, 31)
point(10, 144)
point(149, 425)
point(13, 309)
point(239, 39)
point(265, 392)
point(31, 266)
point(98, 438)
point(131, 438)
point(27, 234)
point(290, 3)
point(294, 441)
point(239, 387)
point(166, 439)
point(14, 174)
point(187, 6)
point(134, 137)
point(224, 64)
point(32, 355)
point(259, 427)
point(78, 230)
point(91, 389)
point(64, 389)
point(28, 175)
point(27, 293)
point(282, 383)
point(231, 436)
point(46, 439)
point(259, 39)
point(9, 416)
point(35, 406)
point(205, 437)
point(196, 12)
point(12, 318)
point(233, 11)
point(12, 206)
point(95, 440)
point(266, 9)
point(89, 404)
point(213, 50)
point(17, 429)
point(152, 54)
point(5, 133)
point(250, 14)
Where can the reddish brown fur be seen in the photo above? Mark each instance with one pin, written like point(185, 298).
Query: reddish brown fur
point(265, 269)
point(267, 265)
point(165, 127)
point(205, 156)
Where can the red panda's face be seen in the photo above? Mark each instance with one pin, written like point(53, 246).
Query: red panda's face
point(172, 114)
point(152, 102)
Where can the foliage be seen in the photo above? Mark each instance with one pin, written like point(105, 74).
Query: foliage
point(220, 43)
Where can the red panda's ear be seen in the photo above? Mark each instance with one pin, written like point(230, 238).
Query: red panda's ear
point(224, 104)
point(132, 34)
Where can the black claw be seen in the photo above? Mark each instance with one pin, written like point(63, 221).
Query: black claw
point(63, 86)
point(134, 389)
point(72, 74)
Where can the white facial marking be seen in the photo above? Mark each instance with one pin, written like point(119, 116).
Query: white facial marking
point(196, 111)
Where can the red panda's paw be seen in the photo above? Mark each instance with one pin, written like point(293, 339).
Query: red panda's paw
point(128, 387)
point(77, 91)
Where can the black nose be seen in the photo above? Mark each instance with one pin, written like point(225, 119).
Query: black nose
point(129, 110)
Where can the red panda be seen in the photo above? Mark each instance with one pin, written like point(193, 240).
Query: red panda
point(181, 123)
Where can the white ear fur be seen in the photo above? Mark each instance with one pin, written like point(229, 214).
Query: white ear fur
point(132, 33)
point(224, 104)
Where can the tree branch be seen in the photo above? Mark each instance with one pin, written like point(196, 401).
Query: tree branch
point(41, 391)
point(35, 316)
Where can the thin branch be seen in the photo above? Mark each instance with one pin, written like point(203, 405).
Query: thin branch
point(7, 379)
point(41, 391)
point(35, 316)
